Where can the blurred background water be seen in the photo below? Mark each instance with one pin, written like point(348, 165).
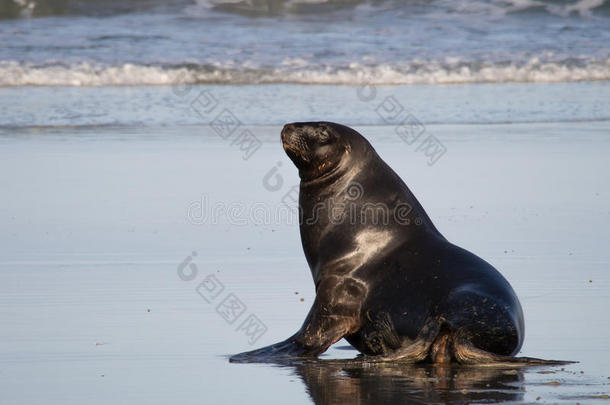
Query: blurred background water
point(81, 42)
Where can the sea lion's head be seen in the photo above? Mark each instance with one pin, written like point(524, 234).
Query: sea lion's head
point(318, 148)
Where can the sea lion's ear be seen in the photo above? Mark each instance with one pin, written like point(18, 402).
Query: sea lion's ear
point(324, 136)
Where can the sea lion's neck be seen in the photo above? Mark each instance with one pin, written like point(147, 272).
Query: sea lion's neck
point(319, 200)
point(343, 172)
point(356, 205)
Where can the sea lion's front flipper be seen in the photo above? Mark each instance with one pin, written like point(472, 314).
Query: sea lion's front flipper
point(288, 348)
point(334, 314)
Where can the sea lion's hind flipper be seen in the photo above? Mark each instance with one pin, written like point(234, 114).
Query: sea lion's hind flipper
point(465, 353)
point(417, 350)
point(438, 343)
point(386, 328)
point(380, 337)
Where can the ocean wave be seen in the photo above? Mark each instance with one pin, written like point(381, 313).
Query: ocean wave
point(91, 8)
point(42, 8)
point(494, 8)
point(415, 72)
point(581, 8)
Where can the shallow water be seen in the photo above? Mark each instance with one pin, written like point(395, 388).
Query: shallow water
point(97, 220)
point(258, 106)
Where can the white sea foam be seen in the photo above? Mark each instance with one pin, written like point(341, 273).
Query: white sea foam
point(417, 72)
point(582, 7)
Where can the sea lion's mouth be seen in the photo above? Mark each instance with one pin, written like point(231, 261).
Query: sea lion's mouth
point(294, 153)
point(295, 146)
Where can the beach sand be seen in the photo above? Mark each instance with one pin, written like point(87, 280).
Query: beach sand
point(98, 218)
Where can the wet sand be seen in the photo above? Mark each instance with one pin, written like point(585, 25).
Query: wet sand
point(96, 222)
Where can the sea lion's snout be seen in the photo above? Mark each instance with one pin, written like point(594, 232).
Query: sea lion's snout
point(288, 129)
point(295, 144)
point(290, 137)
point(312, 147)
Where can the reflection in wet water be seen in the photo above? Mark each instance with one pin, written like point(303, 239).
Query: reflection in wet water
point(345, 381)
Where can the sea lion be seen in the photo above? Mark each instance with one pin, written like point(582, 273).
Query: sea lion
point(386, 279)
